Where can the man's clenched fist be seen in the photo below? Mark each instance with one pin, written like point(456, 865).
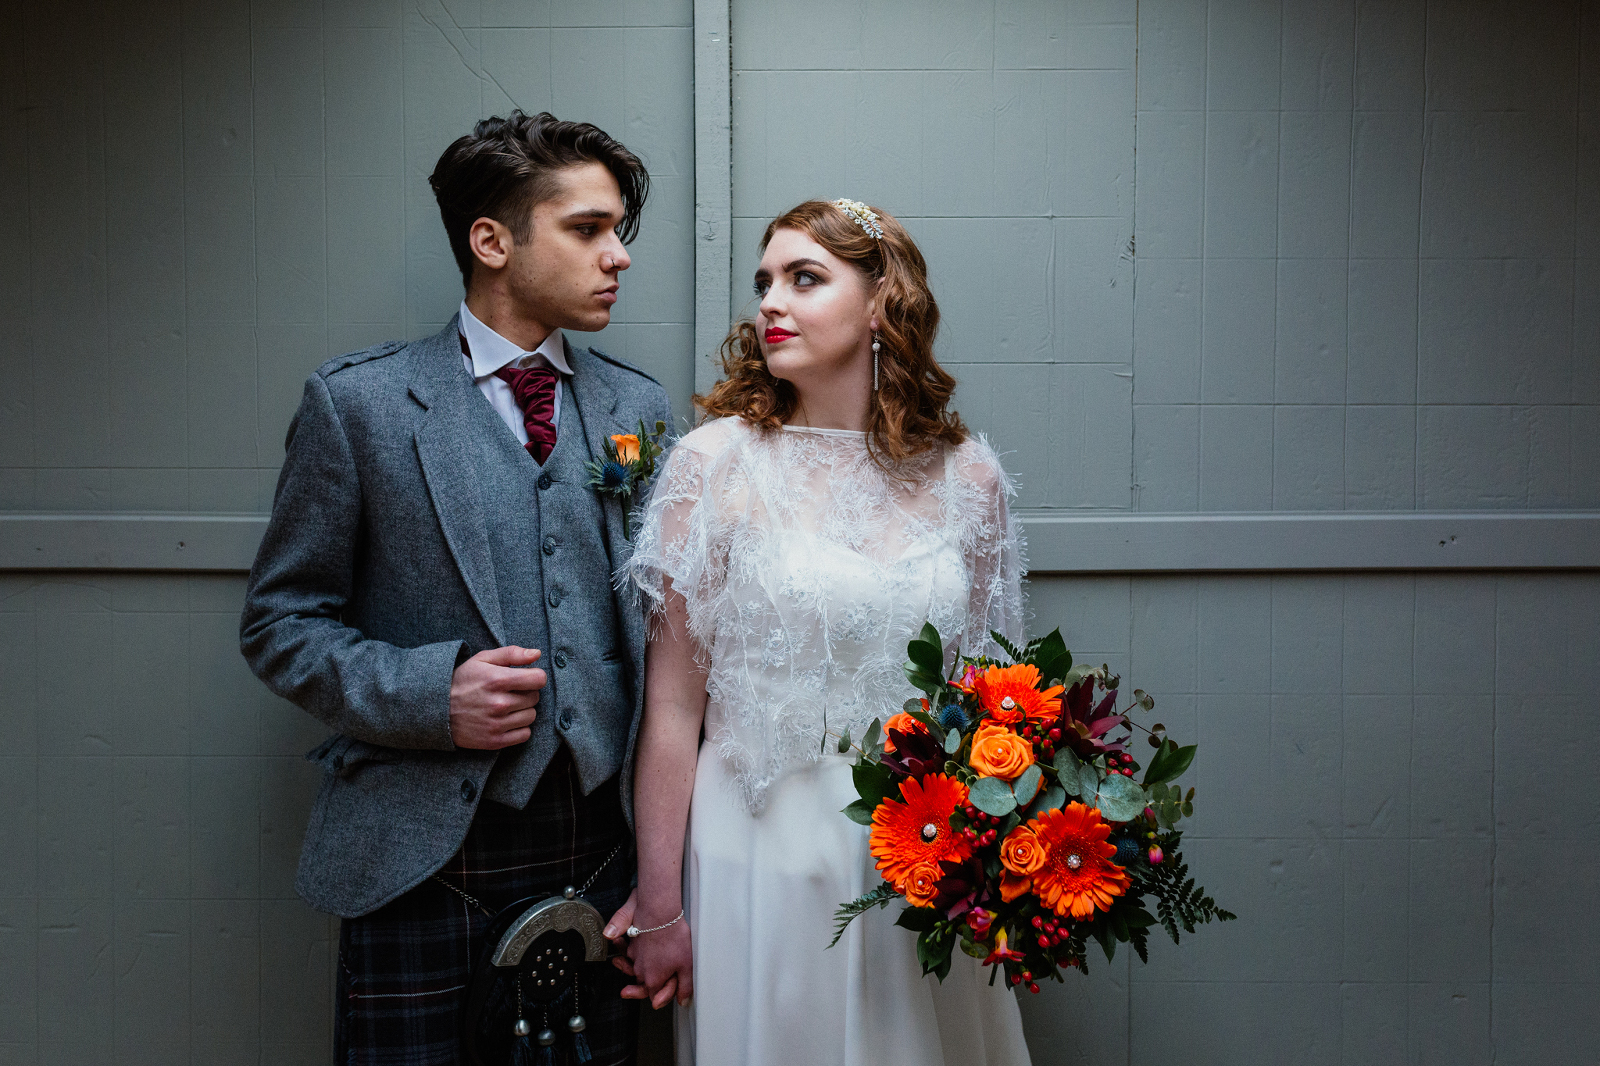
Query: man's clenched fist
point(493, 697)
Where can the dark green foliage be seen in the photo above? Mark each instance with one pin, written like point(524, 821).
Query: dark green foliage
point(881, 896)
point(1006, 646)
point(1179, 901)
point(1169, 763)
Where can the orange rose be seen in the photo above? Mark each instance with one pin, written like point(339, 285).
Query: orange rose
point(998, 752)
point(1022, 852)
point(920, 887)
point(627, 446)
point(905, 724)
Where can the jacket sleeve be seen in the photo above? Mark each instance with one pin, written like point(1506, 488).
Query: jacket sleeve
point(291, 630)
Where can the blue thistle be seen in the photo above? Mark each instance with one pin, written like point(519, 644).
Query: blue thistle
point(951, 716)
point(1128, 849)
point(613, 475)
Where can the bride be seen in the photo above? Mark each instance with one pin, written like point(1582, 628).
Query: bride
point(793, 544)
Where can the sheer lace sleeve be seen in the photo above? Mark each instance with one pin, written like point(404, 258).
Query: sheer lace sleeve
point(992, 542)
point(675, 538)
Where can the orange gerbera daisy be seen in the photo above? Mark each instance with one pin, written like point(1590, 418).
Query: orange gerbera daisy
point(909, 837)
point(1077, 876)
point(1021, 685)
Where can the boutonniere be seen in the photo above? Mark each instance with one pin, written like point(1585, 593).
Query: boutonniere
point(628, 464)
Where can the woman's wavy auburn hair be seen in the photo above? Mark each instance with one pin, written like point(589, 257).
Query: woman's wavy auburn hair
point(911, 412)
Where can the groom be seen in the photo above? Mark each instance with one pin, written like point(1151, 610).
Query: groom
point(435, 585)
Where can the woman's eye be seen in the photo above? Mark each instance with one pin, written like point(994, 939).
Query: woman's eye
point(761, 288)
point(805, 277)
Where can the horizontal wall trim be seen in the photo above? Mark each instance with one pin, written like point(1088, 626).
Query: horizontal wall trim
point(1189, 543)
point(1058, 542)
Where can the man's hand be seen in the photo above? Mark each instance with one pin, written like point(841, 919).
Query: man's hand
point(493, 698)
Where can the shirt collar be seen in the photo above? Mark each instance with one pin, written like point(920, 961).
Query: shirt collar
point(489, 351)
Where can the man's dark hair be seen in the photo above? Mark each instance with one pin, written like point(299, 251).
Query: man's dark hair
point(506, 166)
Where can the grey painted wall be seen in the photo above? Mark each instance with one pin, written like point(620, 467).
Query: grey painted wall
point(1244, 255)
point(1193, 256)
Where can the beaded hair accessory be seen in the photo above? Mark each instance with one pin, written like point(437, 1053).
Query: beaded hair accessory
point(861, 215)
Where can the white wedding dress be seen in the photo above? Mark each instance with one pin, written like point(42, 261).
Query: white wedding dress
point(806, 568)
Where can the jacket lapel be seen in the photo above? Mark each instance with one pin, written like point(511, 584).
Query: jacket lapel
point(442, 386)
point(597, 401)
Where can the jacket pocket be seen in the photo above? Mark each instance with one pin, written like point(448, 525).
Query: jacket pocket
point(343, 755)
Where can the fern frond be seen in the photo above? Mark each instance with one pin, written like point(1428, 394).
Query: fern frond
point(848, 912)
point(1006, 646)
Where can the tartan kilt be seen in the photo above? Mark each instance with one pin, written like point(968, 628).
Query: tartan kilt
point(403, 969)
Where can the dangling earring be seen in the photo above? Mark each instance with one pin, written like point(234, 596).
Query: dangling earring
point(875, 346)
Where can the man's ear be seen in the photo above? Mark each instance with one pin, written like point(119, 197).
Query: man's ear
point(490, 242)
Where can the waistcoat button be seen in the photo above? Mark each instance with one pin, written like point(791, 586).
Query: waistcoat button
point(561, 661)
point(566, 719)
point(468, 790)
point(555, 598)
point(550, 545)
point(545, 481)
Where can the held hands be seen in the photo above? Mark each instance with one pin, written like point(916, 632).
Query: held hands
point(661, 961)
point(493, 698)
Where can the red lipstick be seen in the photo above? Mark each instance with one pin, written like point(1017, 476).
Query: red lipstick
point(777, 336)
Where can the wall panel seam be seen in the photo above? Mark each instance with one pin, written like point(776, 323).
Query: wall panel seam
point(1060, 542)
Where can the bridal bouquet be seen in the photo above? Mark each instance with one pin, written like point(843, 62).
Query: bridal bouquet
point(1005, 810)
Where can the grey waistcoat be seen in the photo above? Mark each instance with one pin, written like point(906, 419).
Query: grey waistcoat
point(545, 526)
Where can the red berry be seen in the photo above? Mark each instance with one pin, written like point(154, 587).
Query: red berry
point(1055, 734)
point(1027, 975)
point(1038, 922)
point(1016, 979)
point(1033, 988)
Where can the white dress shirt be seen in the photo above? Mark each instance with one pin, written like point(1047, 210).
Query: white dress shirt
point(490, 352)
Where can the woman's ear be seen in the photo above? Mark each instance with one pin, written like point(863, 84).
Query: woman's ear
point(875, 308)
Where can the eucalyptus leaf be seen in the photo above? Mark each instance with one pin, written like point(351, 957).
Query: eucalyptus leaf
point(1088, 781)
point(992, 796)
point(911, 706)
point(874, 735)
point(1027, 786)
point(844, 742)
point(952, 742)
point(1051, 799)
point(1120, 798)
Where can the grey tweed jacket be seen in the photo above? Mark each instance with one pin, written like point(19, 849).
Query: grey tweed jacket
point(376, 574)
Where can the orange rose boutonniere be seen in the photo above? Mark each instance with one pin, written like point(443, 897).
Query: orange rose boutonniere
point(628, 464)
point(627, 445)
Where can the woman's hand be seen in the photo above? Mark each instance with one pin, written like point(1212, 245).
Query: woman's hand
point(663, 781)
point(663, 964)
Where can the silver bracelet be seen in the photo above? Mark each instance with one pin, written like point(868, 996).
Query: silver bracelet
point(634, 930)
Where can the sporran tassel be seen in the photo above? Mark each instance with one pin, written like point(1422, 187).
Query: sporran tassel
point(576, 1025)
